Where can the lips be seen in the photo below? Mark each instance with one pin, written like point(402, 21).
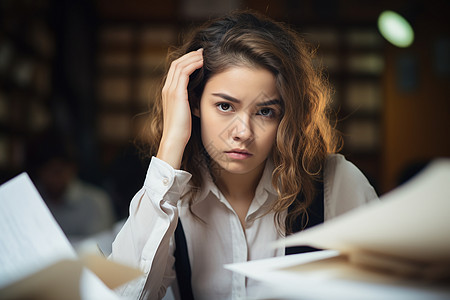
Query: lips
point(238, 154)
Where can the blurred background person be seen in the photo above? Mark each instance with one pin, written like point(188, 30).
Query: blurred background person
point(80, 208)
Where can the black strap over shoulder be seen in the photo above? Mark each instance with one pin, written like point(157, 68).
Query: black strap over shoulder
point(183, 267)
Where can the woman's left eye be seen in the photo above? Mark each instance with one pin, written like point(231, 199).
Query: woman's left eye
point(266, 112)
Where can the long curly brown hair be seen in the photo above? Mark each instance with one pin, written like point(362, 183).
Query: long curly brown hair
point(305, 136)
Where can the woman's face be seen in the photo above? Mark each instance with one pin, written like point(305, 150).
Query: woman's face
point(240, 110)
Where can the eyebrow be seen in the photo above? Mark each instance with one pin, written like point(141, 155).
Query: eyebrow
point(226, 97)
point(232, 99)
point(269, 102)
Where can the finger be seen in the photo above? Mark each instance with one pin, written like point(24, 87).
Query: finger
point(177, 87)
point(176, 63)
point(182, 80)
point(185, 61)
point(184, 69)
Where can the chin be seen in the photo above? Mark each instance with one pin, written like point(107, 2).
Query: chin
point(237, 168)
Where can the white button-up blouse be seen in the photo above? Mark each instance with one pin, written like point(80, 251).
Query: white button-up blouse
point(214, 235)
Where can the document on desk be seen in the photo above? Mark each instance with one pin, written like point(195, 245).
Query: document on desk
point(30, 236)
point(411, 222)
point(36, 256)
point(397, 248)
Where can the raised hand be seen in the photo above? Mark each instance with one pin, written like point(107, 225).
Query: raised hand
point(176, 111)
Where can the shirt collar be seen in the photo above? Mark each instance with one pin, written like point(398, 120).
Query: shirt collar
point(208, 184)
point(264, 185)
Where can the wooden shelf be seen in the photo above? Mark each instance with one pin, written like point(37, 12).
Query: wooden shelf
point(26, 56)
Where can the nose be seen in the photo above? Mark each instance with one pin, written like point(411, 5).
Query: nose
point(242, 131)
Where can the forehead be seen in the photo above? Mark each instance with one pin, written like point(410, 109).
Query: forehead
point(244, 83)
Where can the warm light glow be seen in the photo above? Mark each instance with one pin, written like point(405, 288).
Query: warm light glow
point(395, 29)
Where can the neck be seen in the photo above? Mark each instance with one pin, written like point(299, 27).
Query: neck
point(239, 186)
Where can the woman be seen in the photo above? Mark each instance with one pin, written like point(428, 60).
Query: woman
point(244, 155)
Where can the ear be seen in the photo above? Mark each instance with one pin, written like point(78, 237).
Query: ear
point(196, 112)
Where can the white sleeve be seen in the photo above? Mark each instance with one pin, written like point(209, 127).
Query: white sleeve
point(345, 187)
point(144, 240)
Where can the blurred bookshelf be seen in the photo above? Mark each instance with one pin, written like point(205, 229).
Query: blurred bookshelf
point(129, 52)
point(352, 58)
point(130, 63)
point(26, 54)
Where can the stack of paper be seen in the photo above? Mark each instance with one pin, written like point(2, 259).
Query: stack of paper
point(398, 248)
point(36, 259)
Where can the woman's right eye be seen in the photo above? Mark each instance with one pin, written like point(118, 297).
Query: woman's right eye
point(224, 107)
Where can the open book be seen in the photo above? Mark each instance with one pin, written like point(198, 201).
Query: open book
point(36, 259)
point(398, 248)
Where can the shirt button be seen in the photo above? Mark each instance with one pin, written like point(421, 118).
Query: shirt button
point(165, 181)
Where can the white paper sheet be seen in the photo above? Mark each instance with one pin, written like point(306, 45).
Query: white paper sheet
point(36, 258)
point(411, 222)
point(30, 237)
point(92, 288)
point(327, 275)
